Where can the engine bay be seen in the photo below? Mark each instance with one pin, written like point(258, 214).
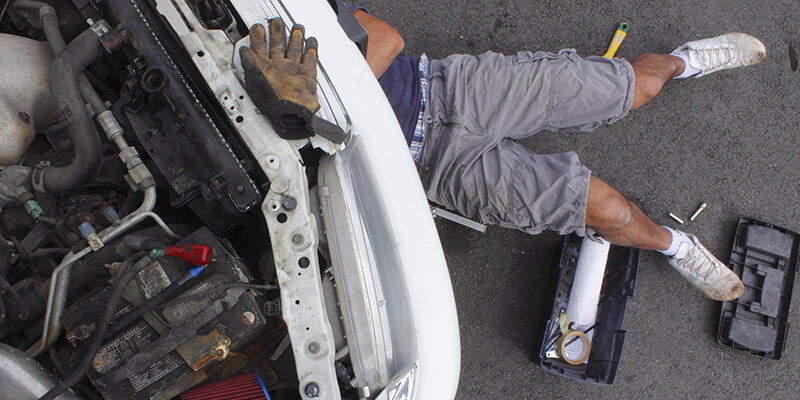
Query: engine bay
point(135, 261)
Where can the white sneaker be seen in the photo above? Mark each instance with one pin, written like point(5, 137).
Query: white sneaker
point(705, 272)
point(731, 50)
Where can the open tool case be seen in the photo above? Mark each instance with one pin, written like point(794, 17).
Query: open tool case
point(608, 337)
point(765, 256)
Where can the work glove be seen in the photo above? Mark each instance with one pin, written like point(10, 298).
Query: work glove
point(282, 81)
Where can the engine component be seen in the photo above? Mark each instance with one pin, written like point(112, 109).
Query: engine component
point(245, 386)
point(191, 253)
point(30, 306)
point(164, 110)
point(25, 104)
point(139, 175)
point(15, 185)
point(169, 349)
point(48, 18)
point(213, 14)
point(67, 67)
point(23, 378)
point(125, 274)
point(60, 278)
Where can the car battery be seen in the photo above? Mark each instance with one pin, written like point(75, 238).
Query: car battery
point(170, 349)
point(606, 336)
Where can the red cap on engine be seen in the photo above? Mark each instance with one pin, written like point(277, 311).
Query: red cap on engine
point(196, 254)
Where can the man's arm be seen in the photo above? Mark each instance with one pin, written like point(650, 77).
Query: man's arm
point(384, 43)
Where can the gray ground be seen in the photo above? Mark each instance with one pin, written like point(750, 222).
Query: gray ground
point(729, 139)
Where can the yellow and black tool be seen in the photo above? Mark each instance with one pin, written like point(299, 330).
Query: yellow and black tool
point(619, 35)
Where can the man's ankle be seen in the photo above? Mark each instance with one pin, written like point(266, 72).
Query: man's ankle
point(686, 70)
point(680, 65)
point(678, 238)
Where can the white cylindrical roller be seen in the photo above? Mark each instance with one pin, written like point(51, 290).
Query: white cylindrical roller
point(586, 285)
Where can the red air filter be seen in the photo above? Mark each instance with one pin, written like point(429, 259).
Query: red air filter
point(246, 386)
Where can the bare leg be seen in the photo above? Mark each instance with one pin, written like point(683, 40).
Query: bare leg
point(607, 210)
point(622, 222)
point(652, 72)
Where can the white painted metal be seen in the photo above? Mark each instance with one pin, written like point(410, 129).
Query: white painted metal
point(383, 153)
point(293, 232)
point(397, 186)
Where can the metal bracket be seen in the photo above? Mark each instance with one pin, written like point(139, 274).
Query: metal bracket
point(109, 37)
point(450, 216)
point(37, 177)
point(292, 227)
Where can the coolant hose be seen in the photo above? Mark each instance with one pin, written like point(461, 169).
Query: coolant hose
point(52, 31)
point(137, 242)
point(66, 69)
point(124, 276)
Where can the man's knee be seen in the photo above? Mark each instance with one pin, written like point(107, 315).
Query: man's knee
point(606, 207)
point(652, 72)
point(615, 214)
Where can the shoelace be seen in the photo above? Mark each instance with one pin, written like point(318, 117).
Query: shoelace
point(703, 269)
point(713, 57)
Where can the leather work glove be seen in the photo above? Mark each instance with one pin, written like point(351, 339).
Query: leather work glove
point(282, 80)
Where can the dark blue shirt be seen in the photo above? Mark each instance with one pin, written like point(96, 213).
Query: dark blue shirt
point(400, 83)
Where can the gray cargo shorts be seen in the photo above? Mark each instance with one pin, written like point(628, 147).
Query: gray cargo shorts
point(478, 104)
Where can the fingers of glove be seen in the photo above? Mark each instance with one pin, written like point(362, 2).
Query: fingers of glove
point(247, 57)
point(277, 38)
point(250, 64)
point(296, 43)
point(310, 57)
point(258, 40)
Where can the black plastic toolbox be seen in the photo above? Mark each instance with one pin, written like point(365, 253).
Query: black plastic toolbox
point(608, 336)
point(765, 257)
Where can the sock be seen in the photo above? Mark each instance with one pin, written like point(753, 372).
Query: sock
point(688, 70)
point(678, 238)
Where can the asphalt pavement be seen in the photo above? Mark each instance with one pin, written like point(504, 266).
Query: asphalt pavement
point(728, 139)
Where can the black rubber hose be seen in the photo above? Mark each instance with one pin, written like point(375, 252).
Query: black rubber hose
point(67, 66)
point(5, 8)
point(6, 286)
point(151, 303)
point(136, 242)
point(2, 312)
point(159, 301)
point(224, 286)
point(52, 31)
point(125, 274)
